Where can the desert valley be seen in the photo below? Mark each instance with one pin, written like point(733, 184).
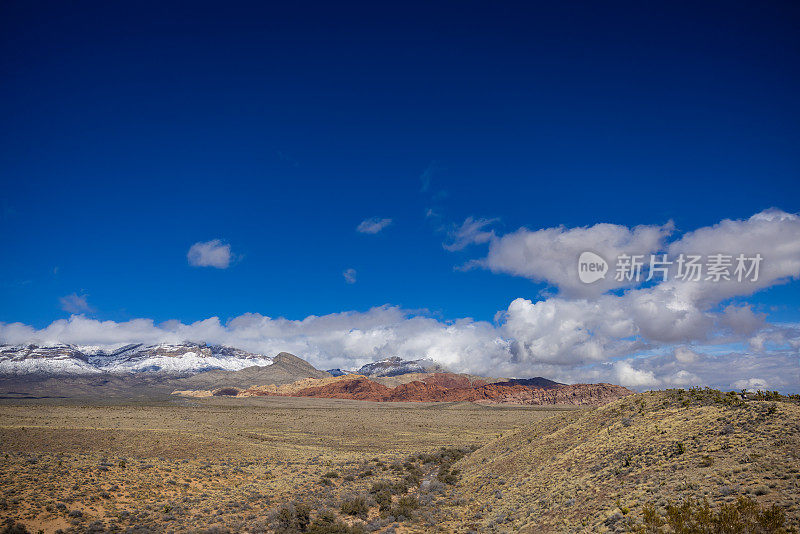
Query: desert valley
point(396, 446)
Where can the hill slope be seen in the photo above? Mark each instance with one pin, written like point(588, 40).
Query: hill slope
point(285, 369)
point(566, 474)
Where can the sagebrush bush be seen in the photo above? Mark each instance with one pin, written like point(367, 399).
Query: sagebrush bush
point(695, 517)
point(356, 507)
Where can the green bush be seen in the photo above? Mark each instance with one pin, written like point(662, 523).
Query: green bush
point(695, 517)
point(356, 507)
point(326, 523)
point(295, 517)
point(405, 507)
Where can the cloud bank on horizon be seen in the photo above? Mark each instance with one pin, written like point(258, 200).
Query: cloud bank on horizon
point(665, 332)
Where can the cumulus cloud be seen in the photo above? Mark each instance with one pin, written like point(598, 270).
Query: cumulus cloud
point(551, 254)
point(75, 303)
point(772, 234)
point(752, 383)
point(351, 339)
point(685, 355)
point(626, 375)
point(350, 276)
point(663, 334)
point(471, 231)
point(373, 225)
point(212, 253)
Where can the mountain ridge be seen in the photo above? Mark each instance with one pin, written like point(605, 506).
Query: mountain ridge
point(165, 358)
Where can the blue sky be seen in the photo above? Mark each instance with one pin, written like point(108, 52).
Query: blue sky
point(131, 132)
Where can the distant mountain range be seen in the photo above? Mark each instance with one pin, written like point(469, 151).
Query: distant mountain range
point(166, 359)
point(393, 366)
point(198, 369)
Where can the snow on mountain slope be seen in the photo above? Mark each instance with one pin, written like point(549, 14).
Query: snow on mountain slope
point(174, 359)
point(395, 366)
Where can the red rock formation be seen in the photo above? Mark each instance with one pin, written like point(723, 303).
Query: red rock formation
point(453, 381)
point(446, 387)
point(357, 388)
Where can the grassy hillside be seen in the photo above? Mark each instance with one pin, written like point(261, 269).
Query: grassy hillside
point(596, 470)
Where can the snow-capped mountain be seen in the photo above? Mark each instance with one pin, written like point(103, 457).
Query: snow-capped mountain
point(172, 359)
point(395, 366)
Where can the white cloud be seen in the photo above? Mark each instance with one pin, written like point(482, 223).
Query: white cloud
point(350, 276)
point(75, 303)
point(752, 384)
point(373, 225)
point(350, 339)
point(662, 335)
point(685, 355)
point(212, 253)
point(773, 234)
point(626, 375)
point(683, 378)
point(472, 231)
point(551, 254)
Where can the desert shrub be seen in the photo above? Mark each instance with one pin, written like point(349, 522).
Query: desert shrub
point(326, 523)
point(695, 517)
point(15, 528)
point(413, 479)
point(446, 476)
point(325, 481)
point(331, 474)
point(382, 493)
point(384, 500)
point(405, 507)
point(284, 519)
point(295, 517)
point(380, 486)
point(400, 487)
point(365, 474)
point(356, 507)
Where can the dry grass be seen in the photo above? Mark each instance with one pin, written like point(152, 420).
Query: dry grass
point(278, 464)
point(595, 471)
point(229, 464)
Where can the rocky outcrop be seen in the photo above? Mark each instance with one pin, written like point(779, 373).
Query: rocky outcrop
point(358, 388)
point(535, 382)
point(442, 387)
